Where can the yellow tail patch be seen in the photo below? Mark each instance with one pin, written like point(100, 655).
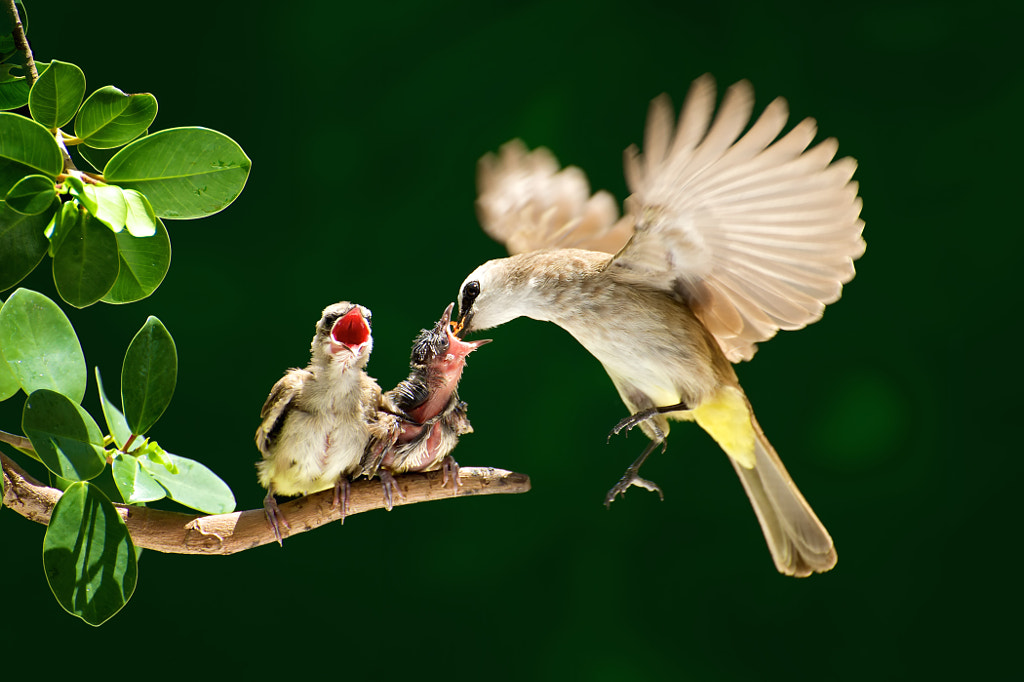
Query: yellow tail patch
point(726, 417)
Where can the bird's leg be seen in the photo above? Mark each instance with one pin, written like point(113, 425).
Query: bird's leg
point(632, 475)
point(450, 473)
point(632, 420)
point(390, 485)
point(274, 515)
point(341, 489)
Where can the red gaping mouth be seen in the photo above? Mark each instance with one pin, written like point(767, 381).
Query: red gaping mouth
point(351, 330)
point(457, 348)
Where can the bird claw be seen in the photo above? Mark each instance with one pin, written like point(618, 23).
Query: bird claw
point(341, 490)
point(450, 473)
point(275, 517)
point(629, 479)
point(632, 420)
point(390, 486)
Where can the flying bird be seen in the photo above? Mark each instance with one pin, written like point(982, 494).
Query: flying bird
point(727, 238)
point(317, 420)
point(422, 418)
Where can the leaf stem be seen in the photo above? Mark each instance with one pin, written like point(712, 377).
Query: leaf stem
point(16, 441)
point(69, 165)
point(128, 442)
point(21, 42)
point(19, 443)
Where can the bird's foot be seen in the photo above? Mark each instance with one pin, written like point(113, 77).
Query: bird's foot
point(341, 490)
point(450, 473)
point(632, 420)
point(274, 517)
point(629, 479)
point(390, 486)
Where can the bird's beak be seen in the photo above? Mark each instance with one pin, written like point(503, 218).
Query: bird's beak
point(459, 326)
point(350, 332)
point(456, 346)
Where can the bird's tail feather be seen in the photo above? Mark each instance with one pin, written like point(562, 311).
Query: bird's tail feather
point(798, 541)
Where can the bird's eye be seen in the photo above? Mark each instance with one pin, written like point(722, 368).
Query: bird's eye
point(469, 294)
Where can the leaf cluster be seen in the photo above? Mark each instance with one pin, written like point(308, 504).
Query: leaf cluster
point(103, 227)
point(104, 231)
point(40, 354)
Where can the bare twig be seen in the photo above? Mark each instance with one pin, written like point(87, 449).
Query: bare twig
point(178, 533)
point(21, 42)
point(16, 441)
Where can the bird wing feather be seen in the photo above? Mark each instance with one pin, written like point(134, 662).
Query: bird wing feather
point(754, 231)
point(276, 407)
point(527, 203)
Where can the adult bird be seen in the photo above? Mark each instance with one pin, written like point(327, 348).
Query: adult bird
point(727, 238)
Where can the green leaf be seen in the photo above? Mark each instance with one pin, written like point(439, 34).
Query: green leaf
point(156, 455)
point(40, 346)
point(13, 94)
point(143, 264)
point(110, 118)
point(63, 222)
point(141, 220)
point(75, 186)
point(184, 172)
point(32, 195)
point(64, 436)
point(116, 423)
point(133, 482)
point(26, 148)
point(148, 376)
point(107, 204)
point(98, 158)
point(88, 556)
point(22, 244)
point(194, 485)
point(57, 94)
point(85, 266)
point(14, 89)
point(8, 384)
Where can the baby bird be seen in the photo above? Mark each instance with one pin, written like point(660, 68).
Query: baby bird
point(316, 421)
point(423, 416)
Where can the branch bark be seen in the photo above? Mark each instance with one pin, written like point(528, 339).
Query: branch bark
point(178, 533)
point(21, 42)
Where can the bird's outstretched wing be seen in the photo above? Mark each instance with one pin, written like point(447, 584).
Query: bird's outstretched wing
point(528, 204)
point(755, 233)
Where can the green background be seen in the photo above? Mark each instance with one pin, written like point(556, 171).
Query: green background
point(894, 414)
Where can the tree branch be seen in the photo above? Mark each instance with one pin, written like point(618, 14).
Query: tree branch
point(178, 533)
point(21, 42)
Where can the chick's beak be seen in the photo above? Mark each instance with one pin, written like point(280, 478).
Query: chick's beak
point(456, 346)
point(350, 332)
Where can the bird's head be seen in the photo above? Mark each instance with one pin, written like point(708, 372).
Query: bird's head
point(441, 349)
point(493, 294)
point(343, 335)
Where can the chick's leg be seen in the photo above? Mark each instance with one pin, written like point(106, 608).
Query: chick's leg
point(274, 516)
